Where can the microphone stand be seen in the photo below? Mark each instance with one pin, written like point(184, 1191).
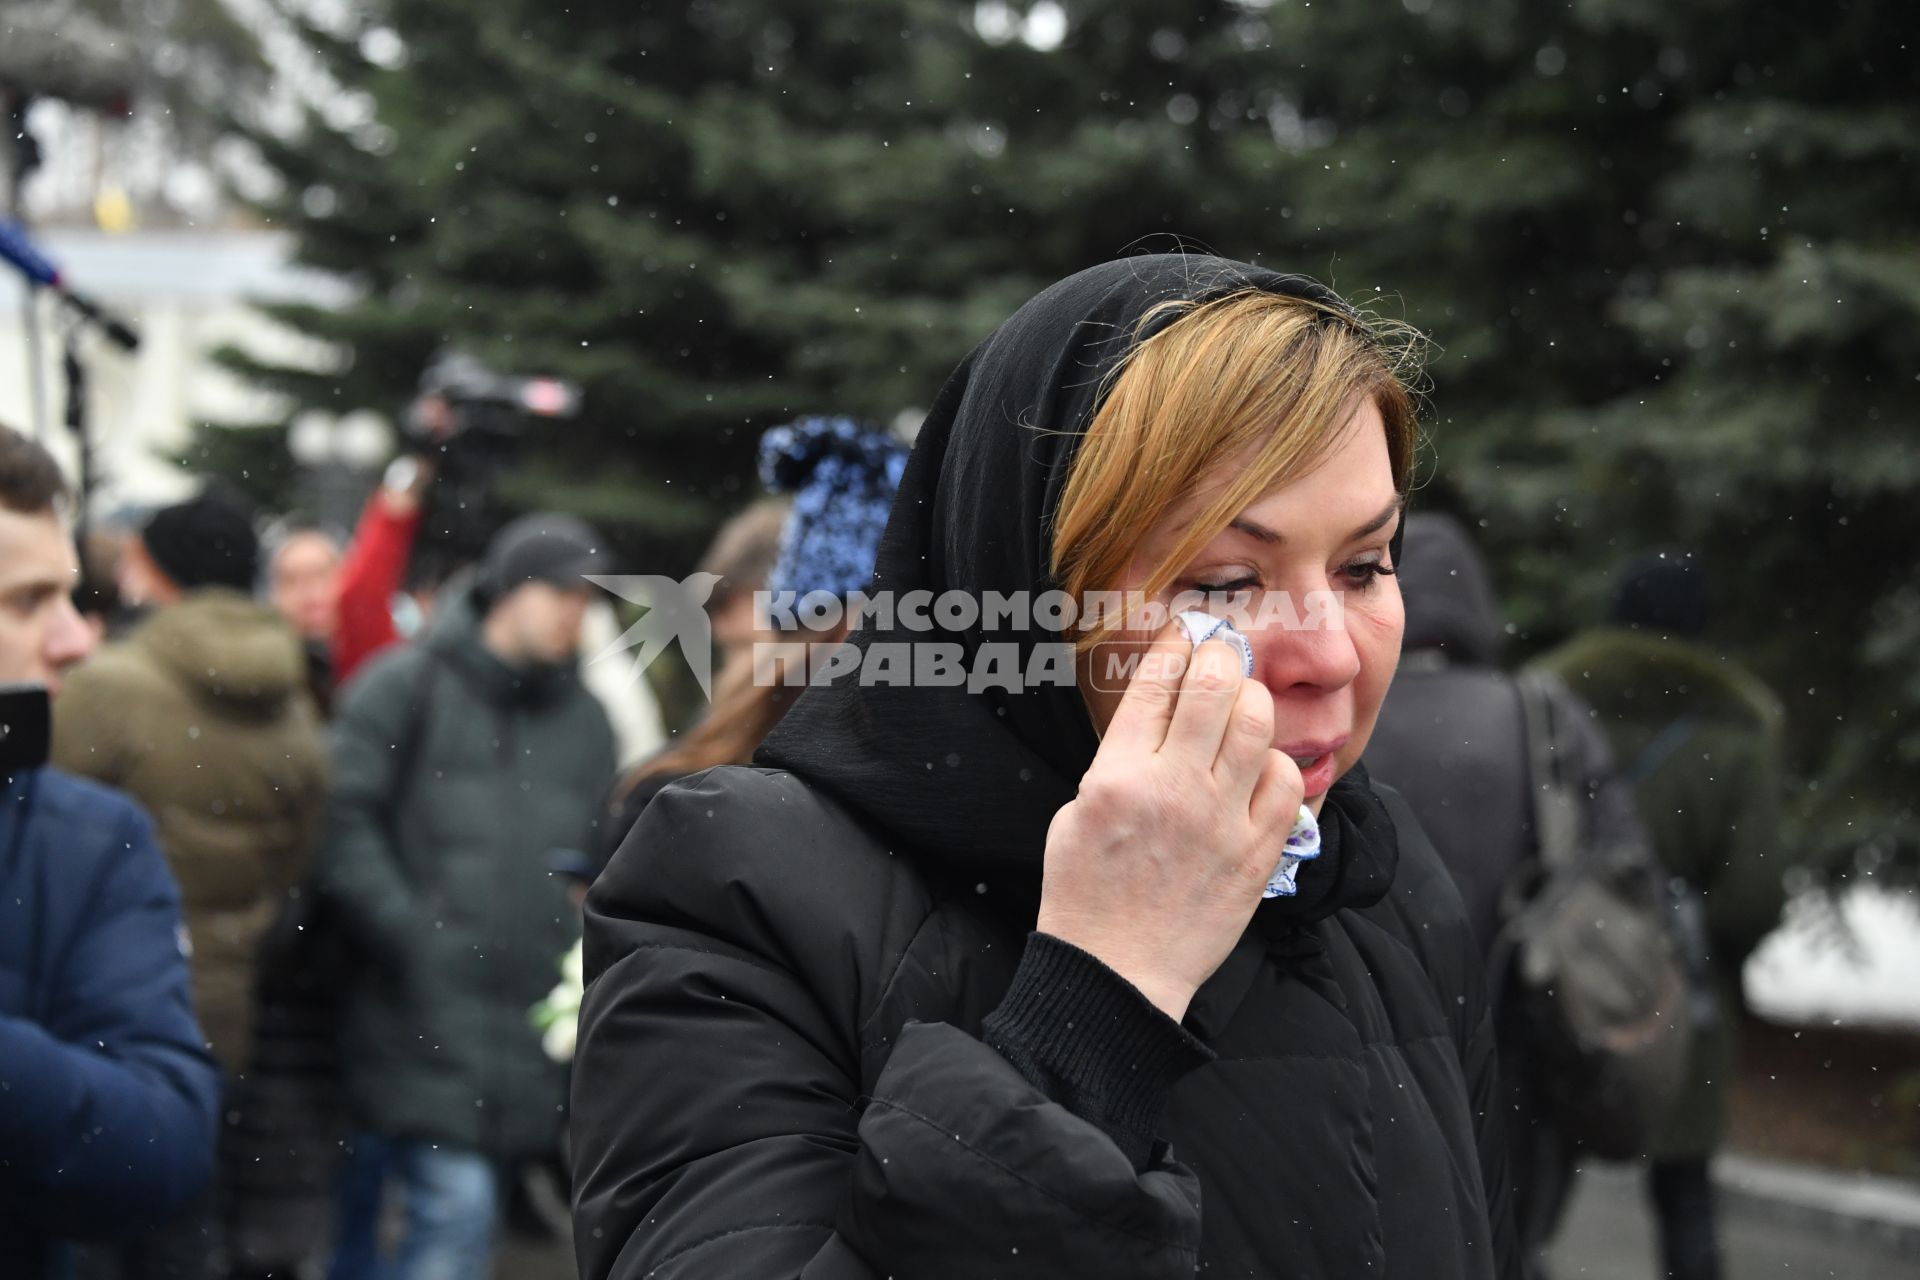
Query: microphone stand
point(38, 274)
point(75, 371)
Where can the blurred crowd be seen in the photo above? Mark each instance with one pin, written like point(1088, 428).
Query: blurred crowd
point(336, 824)
point(290, 880)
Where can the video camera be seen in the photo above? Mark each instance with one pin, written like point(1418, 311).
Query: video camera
point(479, 402)
point(471, 420)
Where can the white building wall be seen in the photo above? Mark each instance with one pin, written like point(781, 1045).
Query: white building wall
point(187, 293)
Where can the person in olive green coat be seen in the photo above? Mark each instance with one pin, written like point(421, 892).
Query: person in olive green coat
point(201, 714)
point(468, 768)
point(1702, 739)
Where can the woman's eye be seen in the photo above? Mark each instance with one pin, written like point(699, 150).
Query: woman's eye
point(1364, 574)
point(1227, 587)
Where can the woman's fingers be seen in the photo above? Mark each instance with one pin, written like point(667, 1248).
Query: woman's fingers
point(1146, 709)
point(1205, 706)
point(1244, 747)
point(1276, 800)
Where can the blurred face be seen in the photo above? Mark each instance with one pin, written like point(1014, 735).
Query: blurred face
point(539, 622)
point(41, 634)
point(1327, 653)
point(306, 586)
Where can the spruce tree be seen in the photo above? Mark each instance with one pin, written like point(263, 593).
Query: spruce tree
point(1665, 253)
point(1667, 257)
point(720, 215)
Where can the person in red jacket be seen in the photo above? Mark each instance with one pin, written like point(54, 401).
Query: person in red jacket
point(376, 566)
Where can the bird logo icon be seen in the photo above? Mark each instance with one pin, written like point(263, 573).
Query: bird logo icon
point(675, 613)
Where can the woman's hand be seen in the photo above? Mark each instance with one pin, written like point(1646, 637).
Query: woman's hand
point(1157, 865)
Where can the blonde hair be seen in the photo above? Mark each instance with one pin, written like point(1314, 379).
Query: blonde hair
point(1263, 381)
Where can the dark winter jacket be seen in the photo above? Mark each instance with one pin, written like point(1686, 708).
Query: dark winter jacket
point(1705, 736)
point(202, 715)
point(457, 781)
point(784, 1073)
point(627, 805)
point(1451, 738)
point(822, 1039)
point(285, 1115)
point(107, 1095)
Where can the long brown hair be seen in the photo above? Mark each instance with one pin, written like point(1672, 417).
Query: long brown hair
point(744, 711)
point(749, 698)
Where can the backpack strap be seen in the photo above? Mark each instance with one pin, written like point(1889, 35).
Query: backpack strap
point(1558, 821)
point(1556, 829)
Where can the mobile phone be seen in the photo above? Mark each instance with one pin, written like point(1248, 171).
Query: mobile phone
point(26, 726)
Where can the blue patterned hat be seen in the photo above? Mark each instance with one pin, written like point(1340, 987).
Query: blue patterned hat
point(842, 477)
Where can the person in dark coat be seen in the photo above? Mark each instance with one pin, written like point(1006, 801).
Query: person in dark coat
point(465, 767)
point(1001, 977)
point(1452, 740)
point(108, 1096)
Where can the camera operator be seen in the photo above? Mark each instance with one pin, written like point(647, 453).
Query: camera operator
point(434, 512)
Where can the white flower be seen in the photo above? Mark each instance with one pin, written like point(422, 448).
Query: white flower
point(559, 1038)
point(558, 1016)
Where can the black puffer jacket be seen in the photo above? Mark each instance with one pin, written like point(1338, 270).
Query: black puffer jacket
point(458, 779)
point(821, 1039)
point(782, 1074)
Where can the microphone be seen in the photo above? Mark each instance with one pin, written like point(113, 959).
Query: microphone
point(21, 253)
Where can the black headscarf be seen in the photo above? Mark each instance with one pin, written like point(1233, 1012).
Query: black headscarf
point(972, 780)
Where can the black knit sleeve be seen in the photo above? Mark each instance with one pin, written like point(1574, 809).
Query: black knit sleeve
point(1088, 1039)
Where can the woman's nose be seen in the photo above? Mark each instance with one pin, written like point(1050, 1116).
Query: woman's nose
point(1311, 650)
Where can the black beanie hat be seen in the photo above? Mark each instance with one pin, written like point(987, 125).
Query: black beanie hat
point(1663, 590)
point(544, 547)
point(206, 541)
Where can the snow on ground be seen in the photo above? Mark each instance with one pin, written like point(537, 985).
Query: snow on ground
point(1809, 972)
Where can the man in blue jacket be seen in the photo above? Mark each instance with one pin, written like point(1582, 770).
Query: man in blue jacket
point(107, 1095)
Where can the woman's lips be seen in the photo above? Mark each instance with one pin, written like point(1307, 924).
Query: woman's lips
point(1316, 761)
point(1317, 774)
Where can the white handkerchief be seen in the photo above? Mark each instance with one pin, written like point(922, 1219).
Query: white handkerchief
point(1202, 627)
point(1303, 845)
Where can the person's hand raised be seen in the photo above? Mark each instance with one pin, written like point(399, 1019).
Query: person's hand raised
point(1156, 866)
